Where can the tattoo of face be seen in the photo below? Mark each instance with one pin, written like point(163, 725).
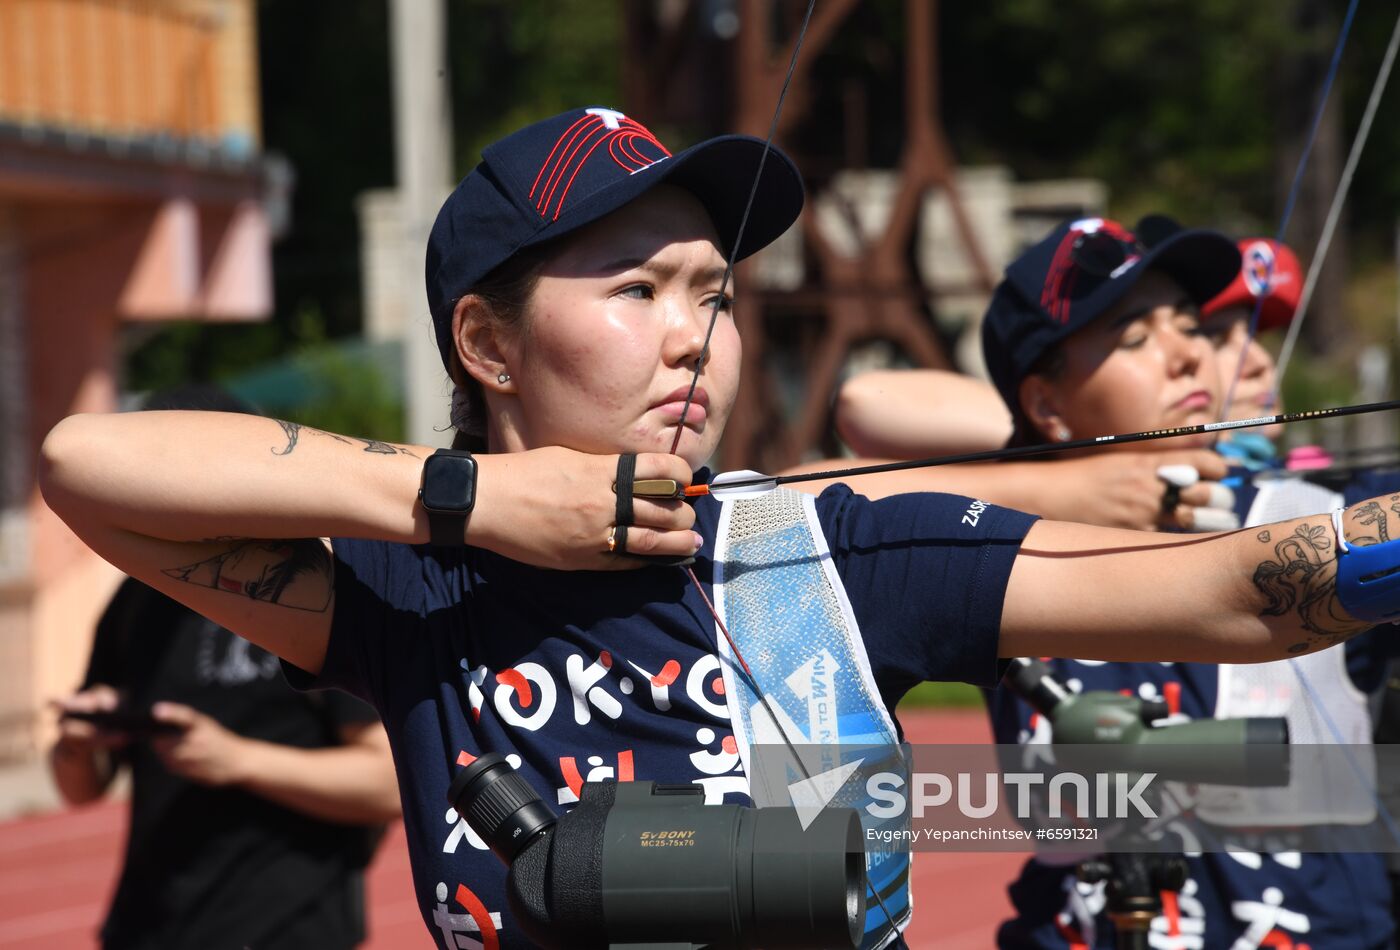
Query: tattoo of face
point(293, 573)
point(1301, 576)
point(292, 430)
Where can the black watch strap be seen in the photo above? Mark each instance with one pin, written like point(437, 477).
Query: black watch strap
point(446, 530)
point(448, 494)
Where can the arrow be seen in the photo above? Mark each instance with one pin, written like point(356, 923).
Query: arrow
point(747, 484)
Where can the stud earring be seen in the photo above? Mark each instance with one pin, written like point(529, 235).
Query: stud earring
point(1062, 434)
point(503, 378)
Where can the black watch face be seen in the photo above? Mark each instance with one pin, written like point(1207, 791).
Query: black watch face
point(449, 483)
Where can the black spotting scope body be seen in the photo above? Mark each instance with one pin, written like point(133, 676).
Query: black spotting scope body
point(640, 863)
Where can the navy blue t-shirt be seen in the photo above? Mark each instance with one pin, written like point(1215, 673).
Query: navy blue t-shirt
point(581, 675)
point(1286, 899)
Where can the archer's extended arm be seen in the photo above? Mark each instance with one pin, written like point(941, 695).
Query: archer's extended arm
point(225, 512)
point(1259, 594)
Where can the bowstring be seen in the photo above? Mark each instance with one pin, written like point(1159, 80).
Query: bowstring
point(1315, 266)
point(733, 256)
point(702, 357)
point(1292, 199)
point(1334, 213)
point(700, 362)
point(730, 260)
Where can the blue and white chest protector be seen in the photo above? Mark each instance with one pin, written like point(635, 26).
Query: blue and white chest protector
point(783, 602)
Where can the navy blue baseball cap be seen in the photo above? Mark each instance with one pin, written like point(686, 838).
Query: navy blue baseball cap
point(559, 174)
point(1077, 273)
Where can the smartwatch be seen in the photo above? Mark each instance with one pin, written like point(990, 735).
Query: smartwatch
point(448, 493)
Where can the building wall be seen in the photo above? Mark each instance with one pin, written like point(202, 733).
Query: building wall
point(46, 622)
point(131, 188)
point(14, 380)
point(126, 69)
point(16, 586)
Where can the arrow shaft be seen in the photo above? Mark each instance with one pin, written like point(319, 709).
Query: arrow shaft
point(1031, 451)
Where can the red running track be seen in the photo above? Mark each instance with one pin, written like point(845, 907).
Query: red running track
point(57, 871)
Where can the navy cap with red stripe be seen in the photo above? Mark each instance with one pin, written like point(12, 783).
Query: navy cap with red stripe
point(557, 175)
point(1077, 273)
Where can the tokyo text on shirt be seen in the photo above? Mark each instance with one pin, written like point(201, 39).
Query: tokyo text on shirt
point(579, 676)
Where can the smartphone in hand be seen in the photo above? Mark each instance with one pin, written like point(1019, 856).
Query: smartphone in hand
point(137, 723)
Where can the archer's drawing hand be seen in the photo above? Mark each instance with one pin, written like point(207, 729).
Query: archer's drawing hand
point(1124, 490)
point(555, 508)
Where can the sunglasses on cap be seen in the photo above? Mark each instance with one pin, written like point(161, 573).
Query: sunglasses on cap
point(1100, 253)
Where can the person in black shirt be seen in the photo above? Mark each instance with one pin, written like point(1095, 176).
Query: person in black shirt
point(254, 808)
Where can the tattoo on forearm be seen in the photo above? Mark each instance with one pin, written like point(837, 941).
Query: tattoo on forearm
point(1371, 513)
point(385, 448)
point(1301, 576)
point(293, 430)
point(290, 573)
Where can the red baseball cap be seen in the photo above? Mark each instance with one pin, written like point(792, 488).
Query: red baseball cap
point(1269, 270)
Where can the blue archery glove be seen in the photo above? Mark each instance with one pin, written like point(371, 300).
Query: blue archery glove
point(1368, 577)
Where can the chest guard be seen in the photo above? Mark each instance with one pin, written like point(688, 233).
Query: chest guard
point(782, 600)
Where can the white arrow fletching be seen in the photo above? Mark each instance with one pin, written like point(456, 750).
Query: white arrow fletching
point(753, 484)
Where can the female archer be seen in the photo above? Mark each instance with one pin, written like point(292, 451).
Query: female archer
point(495, 602)
point(1135, 354)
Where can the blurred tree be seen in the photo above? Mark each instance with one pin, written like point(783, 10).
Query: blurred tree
point(1178, 106)
point(352, 388)
point(325, 101)
point(326, 107)
point(1199, 110)
point(1188, 108)
point(515, 61)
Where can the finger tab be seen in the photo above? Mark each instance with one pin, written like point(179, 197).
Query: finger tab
point(657, 488)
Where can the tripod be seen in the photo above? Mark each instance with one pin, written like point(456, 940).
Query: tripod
point(1133, 883)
